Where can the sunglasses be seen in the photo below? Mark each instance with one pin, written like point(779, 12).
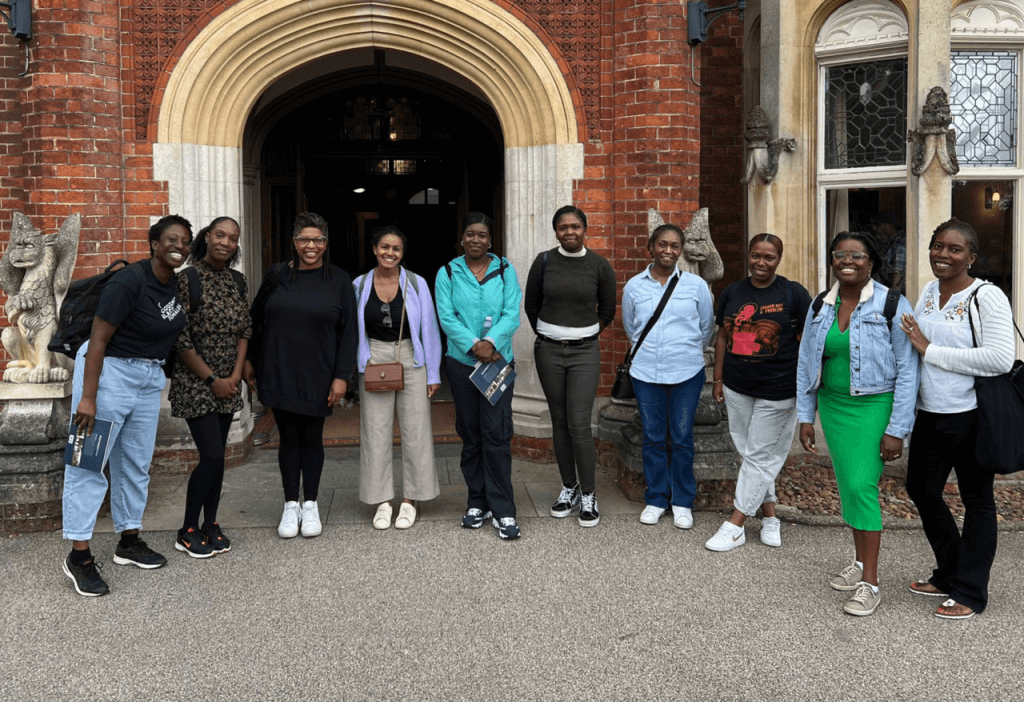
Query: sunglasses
point(385, 309)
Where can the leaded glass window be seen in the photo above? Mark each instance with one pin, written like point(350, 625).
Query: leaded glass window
point(866, 114)
point(983, 100)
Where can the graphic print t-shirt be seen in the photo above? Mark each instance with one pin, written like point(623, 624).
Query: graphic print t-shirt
point(146, 312)
point(761, 345)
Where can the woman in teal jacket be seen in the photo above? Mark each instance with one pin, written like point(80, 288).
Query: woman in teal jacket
point(478, 305)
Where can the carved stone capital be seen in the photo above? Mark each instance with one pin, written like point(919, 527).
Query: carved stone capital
point(934, 139)
point(763, 152)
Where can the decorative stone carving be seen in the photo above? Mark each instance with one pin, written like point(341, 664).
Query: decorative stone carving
point(934, 138)
point(34, 273)
point(762, 153)
point(988, 20)
point(700, 256)
point(862, 24)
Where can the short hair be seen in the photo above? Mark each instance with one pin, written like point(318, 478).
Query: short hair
point(866, 239)
point(661, 229)
point(478, 218)
point(568, 209)
point(380, 232)
point(309, 219)
point(963, 228)
point(199, 243)
point(157, 229)
point(768, 239)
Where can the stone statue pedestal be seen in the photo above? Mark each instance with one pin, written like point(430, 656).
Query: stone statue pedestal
point(33, 426)
point(715, 456)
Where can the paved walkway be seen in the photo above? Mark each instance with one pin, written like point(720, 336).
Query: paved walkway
point(620, 611)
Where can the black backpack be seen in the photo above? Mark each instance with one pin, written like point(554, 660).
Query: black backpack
point(892, 301)
point(74, 325)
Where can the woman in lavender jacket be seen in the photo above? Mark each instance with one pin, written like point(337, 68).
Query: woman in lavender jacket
point(381, 295)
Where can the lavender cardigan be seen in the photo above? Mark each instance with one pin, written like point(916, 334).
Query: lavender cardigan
point(419, 315)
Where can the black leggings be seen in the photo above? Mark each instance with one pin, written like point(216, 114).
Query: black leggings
point(301, 453)
point(210, 432)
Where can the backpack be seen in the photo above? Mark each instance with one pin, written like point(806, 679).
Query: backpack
point(410, 275)
point(195, 290)
point(500, 271)
point(892, 301)
point(74, 324)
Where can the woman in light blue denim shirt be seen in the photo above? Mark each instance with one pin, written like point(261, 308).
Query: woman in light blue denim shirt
point(668, 373)
point(860, 371)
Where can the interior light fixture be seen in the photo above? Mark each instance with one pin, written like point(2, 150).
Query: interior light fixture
point(359, 190)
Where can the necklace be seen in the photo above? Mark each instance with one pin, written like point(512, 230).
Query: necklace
point(477, 271)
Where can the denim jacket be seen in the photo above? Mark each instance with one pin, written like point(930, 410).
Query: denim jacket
point(880, 360)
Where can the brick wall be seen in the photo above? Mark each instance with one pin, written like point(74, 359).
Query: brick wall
point(722, 146)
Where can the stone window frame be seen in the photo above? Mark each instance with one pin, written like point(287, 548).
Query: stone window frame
point(859, 31)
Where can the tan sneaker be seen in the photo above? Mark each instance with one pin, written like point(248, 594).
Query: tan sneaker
point(847, 579)
point(863, 602)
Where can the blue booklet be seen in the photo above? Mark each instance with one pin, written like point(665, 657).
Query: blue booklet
point(492, 379)
point(88, 452)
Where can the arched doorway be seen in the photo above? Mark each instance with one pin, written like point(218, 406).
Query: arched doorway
point(373, 145)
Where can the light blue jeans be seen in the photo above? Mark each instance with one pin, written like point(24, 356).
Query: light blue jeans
point(129, 398)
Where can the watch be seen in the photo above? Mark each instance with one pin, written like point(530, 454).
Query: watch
point(209, 381)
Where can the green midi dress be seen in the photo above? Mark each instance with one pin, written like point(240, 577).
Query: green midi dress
point(853, 426)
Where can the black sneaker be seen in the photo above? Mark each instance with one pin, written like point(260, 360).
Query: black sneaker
point(86, 577)
point(588, 510)
point(193, 543)
point(216, 538)
point(567, 500)
point(474, 518)
point(138, 554)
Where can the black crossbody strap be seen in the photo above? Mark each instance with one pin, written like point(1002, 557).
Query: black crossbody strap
point(654, 318)
point(970, 320)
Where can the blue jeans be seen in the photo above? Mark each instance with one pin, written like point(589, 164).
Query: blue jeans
point(667, 412)
point(129, 397)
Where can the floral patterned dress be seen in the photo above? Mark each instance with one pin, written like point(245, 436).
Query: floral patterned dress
point(213, 331)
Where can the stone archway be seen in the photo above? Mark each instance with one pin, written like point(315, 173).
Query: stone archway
point(223, 72)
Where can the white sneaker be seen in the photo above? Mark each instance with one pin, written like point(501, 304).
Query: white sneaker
point(310, 519)
point(289, 526)
point(682, 517)
point(728, 537)
point(770, 532)
point(651, 514)
point(406, 516)
point(382, 519)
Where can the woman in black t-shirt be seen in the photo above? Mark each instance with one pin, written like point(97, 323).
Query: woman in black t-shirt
point(756, 357)
point(116, 390)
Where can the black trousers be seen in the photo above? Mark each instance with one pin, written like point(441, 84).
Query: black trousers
point(301, 454)
point(940, 443)
point(210, 432)
point(486, 433)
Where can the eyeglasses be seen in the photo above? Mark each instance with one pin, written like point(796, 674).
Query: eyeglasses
point(843, 255)
point(385, 309)
point(315, 241)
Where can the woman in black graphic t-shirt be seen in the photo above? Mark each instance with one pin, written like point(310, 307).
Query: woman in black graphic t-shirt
point(118, 379)
point(756, 355)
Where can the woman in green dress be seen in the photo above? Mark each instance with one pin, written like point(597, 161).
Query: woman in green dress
point(860, 371)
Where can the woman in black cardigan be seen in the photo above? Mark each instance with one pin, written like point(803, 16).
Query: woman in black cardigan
point(302, 354)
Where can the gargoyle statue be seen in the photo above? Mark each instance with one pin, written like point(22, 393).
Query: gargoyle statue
point(34, 273)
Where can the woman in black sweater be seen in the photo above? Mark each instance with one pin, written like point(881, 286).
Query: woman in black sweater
point(570, 299)
point(302, 353)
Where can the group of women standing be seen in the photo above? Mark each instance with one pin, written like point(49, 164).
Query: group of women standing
point(857, 355)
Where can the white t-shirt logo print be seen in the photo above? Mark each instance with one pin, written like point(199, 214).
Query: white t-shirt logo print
point(171, 310)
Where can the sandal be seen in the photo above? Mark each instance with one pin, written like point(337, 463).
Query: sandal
point(926, 589)
point(951, 609)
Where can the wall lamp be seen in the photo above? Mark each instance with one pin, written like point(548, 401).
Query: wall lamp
point(699, 18)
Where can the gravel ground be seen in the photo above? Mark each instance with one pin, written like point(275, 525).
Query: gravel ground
point(807, 493)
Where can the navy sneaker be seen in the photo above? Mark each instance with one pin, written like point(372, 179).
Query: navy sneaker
point(474, 518)
point(193, 543)
point(215, 537)
point(86, 577)
point(138, 554)
point(567, 500)
point(507, 527)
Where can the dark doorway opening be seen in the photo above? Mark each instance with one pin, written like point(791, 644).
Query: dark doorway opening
point(377, 146)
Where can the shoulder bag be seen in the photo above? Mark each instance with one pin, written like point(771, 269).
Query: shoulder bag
point(1000, 444)
point(623, 388)
point(389, 377)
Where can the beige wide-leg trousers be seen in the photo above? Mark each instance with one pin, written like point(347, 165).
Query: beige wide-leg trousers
point(376, 418)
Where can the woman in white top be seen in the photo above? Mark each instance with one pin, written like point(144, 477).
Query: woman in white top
point(945, 432)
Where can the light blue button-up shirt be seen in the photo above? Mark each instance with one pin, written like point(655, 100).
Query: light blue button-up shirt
point(674, 349)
